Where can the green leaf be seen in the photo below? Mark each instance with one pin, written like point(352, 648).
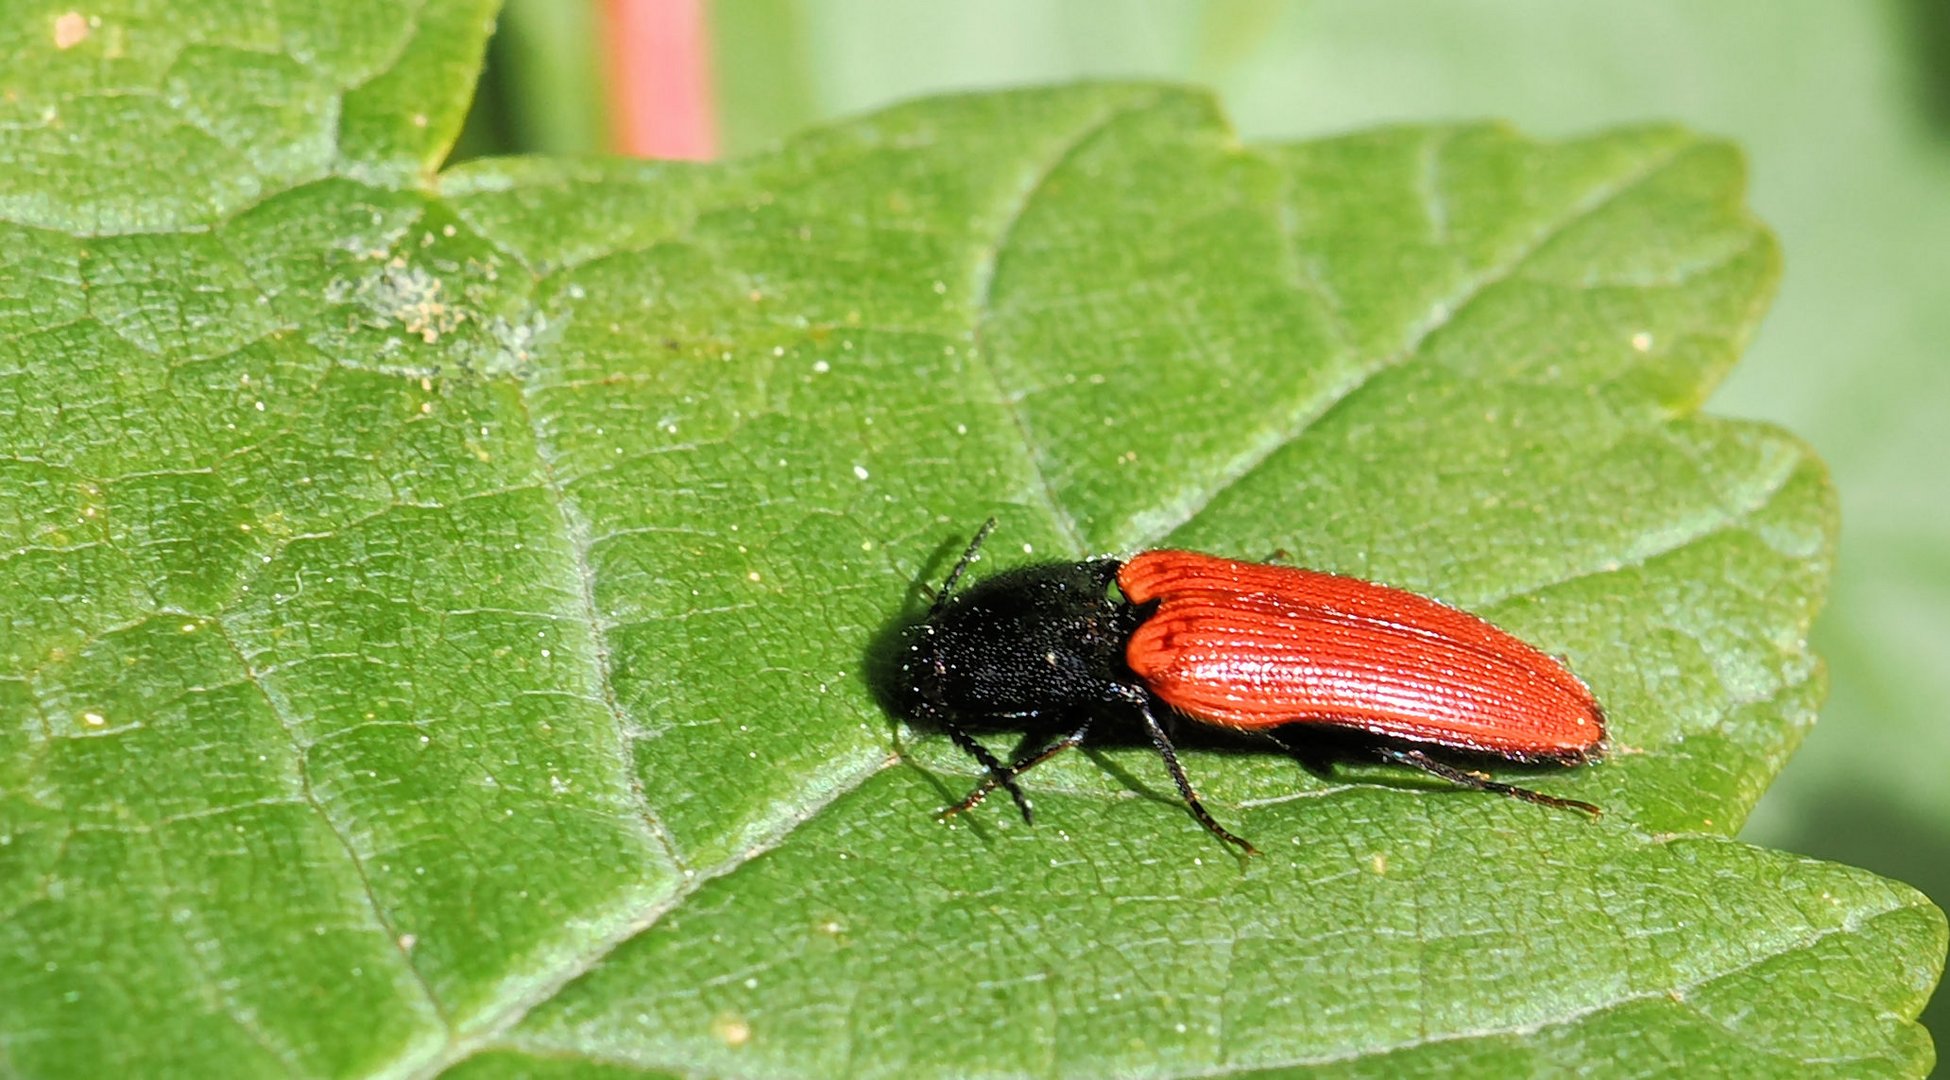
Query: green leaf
point(439, 606)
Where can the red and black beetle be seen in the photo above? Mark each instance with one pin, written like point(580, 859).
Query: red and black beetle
point(1239, 645)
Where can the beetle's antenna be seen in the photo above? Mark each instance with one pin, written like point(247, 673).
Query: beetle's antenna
point(948, 586)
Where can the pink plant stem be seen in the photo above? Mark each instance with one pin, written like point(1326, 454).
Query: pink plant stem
point(660, 79)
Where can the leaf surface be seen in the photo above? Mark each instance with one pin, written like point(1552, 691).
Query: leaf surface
point(443, 605)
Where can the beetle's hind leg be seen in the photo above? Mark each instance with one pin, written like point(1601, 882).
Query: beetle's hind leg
point(1416, 759)
point(1139, 699)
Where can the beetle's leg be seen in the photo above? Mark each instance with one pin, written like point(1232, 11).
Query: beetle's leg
point(1141, 700)
point(1000, 778)
point(1416, 759)
point(996, 770)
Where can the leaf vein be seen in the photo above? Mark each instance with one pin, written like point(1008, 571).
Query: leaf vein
point(982, 302)
point(301, 759)
point(1850, 926)
point(577, 532)
point(1441, 314)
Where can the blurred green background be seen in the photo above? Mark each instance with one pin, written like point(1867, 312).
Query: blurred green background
point(1843, 108)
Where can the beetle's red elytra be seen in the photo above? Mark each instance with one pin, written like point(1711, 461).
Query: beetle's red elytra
point(1251, 645)
point(1240, 645)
